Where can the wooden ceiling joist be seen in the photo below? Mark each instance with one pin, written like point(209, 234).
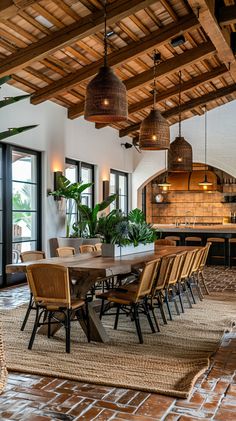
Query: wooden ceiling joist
point(185, 86)
point(123, 55)
point(86, 26)
point(187, 106)
point(219, 37)
point(164, 69)
point(227, 15)
point(9, 8)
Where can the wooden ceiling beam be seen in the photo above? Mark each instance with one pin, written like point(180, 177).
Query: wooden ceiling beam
point(86, 26)
point(187, 106)
point(227, 15)
point(220, 37)
point(123, 55)
point(10, 8)
point(185, 86)
point(164, 69)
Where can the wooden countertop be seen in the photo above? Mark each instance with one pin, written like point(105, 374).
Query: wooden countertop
point(217, 228)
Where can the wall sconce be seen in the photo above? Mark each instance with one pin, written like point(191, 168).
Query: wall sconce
point(57, 175)
point(105, 189)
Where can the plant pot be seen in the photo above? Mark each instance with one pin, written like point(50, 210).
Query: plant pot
point(113, 250)
point(70, 242)
point(91, 241)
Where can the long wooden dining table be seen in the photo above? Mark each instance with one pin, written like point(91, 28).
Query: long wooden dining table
point(87, 268)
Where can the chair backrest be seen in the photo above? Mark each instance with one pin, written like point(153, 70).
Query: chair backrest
point(163, 272)
point(205, 255)
point(31, 255)
point(187, 264)
point(65, 251)
point(86, 248)
point(176, 268)
point(197, 259)
point(49, 283)
point(147, 278)
point(165, 242)
point(98, 247)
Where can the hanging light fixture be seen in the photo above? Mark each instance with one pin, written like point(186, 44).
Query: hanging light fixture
point(106, 98)
point(154, 129)
point(165, 183)
point(205, 183)
point(180, 157)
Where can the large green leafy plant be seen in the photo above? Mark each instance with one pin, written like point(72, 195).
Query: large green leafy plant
point(116, 228)
point(11, 100)
point(72, 192)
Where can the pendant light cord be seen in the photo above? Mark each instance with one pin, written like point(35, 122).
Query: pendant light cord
point(180, 82)
point(205, 140)
point(105, 33)
point(154, 79)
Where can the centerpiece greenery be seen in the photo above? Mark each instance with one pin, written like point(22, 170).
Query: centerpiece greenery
point(121, 230)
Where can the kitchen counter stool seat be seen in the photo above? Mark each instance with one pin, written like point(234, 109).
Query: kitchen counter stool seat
point(218, 249)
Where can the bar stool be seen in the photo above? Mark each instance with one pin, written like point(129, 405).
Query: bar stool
point(193, 241)
point(232, 245)
point(173, 238)
point(216, 243)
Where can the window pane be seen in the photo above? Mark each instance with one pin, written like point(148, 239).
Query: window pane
point(24, 196)
point(24, 167)
point(23, 226)
point(122, 184)
point(122, 203)
point(87, 177)
point(18, 248)
point(71, 172)
point(112, 183)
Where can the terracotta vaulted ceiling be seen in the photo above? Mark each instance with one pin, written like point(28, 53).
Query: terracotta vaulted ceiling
point(52, 48)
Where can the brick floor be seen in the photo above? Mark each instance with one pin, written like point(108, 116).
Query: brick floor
point(35, 398)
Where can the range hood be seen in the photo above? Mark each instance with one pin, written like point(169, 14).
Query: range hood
point(189, 181)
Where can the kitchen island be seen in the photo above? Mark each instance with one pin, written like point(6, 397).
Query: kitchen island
point(204, 231)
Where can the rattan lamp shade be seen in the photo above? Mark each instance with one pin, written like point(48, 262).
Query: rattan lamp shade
point(106, 99)
point(180, 156)
point(154, 132)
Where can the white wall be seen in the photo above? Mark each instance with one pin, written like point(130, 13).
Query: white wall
point(221, 150)
point(57, 137)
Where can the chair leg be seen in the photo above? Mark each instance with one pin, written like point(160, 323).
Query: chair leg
point(36, 322)
point(101, 309)
point(204, 283)
point(180, 296)
point(185, 289)
point(154, 316)
point(67, 328)
point(175, 302)
point(30, 306)
point(191, 291)
point(137, 323)
point(117, 316)
point(88, 321)
point(49, 324)
point(146, 310)
point(168, 304)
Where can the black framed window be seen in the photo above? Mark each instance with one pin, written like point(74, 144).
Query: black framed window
point(119, 185)
point(78, 171)
point(20, 206)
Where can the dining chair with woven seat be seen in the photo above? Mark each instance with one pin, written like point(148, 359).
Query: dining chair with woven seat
point(185, 273)
point(50, 285)
point(28, 256)
point(98, 246)
point(157, 294)
point(202, 265)
point(172, 287)
point(193, 278)
point(87, 248)
point(65, 251)
point(135, 302)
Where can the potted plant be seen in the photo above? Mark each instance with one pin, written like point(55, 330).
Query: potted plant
point(125, 234)
point(72, 193)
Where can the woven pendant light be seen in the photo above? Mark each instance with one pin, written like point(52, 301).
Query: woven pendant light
point(205, 183)
point(154, 129)
point(180, 156)
point(106, 98)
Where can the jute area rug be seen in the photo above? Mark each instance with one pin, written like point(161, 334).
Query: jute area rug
point(168, 362)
